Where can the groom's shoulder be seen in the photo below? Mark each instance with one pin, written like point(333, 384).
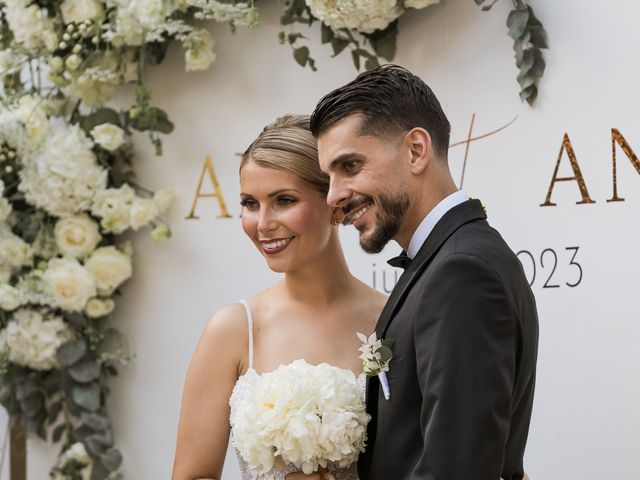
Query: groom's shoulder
point(478, 239)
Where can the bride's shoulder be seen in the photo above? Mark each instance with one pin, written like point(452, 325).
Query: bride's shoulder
point(227, 325)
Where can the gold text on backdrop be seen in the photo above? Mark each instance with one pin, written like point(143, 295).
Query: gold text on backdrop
point(616, 138)
point(217, 192)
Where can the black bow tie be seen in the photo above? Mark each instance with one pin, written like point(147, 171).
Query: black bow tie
point(401, 261)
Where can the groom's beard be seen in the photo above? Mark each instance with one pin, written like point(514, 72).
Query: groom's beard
point(390, 208)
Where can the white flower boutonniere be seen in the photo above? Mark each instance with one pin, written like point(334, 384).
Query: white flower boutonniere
point(376, 355)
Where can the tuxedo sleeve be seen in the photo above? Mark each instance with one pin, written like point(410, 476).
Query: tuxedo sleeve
point(465, 343)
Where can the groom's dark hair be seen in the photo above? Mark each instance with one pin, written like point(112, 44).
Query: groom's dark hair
point(391, 100)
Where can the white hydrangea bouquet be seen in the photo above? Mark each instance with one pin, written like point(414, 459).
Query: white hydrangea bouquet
point(311, 416)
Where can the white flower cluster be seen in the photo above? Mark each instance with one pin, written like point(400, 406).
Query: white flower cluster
point(120, 208)
point(310, 416)
point(31, 26)
point(32, 339)
point(199, 50)
point(63, 176)
point(365, 16)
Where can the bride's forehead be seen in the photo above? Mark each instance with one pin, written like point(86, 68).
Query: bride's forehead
point(259, 178)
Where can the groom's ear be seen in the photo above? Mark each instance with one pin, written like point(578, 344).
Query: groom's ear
point(419, 145)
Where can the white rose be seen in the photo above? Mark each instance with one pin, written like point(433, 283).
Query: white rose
point(199, 54)
point(15, 252)
point(108, 136)
point(160, 233)
point(77, 235)
point(10, 297)
point(70, 283)
point(143, 210)
point(418, 4)
point(113, 205)
point(33, 341)
point(97, 307)
point(76, 11)
point(163, 199)
point(110, 268)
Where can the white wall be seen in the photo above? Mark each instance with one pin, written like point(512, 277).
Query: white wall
point(586, 416)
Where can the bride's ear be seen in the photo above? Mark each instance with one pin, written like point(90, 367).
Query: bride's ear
point(337, 216)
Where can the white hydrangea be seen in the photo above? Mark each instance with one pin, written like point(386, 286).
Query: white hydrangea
point(77, 235)
point(113, 206)
point(70, 283)
point(199, 53)
point(220, 11)
point(14, 251)
point(33, 341)
point(80, 10)
point(363, 15)
point(31, 111)
point(10, 297)
point(63, 176)
point(95, 85)
point(136, 18)
point(311, 416)
point(418, 4)
point(30, 25)
point(5, 209)
point(108, 136)
point(110, 268)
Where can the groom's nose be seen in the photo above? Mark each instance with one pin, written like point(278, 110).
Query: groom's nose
point(339, 193)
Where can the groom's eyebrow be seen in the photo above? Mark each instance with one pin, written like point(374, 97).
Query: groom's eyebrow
point(282, 190)
point(340, 159)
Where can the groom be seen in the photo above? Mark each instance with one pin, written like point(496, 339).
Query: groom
point(462, 316)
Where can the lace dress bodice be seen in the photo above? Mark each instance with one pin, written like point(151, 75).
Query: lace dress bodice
point(239, 393)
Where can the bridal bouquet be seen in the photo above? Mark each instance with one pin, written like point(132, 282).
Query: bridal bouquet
point(310, 416)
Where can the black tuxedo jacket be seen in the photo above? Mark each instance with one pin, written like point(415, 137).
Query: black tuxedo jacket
point(465, 330)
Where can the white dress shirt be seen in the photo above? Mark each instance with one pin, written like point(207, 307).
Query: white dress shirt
point(433, 217)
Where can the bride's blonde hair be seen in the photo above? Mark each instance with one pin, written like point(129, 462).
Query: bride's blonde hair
point(288, 145)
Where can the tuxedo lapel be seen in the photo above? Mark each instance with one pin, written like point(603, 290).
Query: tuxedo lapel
point(456, 217)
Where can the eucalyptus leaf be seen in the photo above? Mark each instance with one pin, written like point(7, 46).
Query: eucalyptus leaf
point(100, 116)
point(338, 45)
point(355, 56)
point(72, 351)
point(95, 421)
point(25, 389)
point(99, 471)
point(371, 63)
point(97, 443)
point(87, 396)
point(326, 33)
point(54, 410)
point(112, 459)
point(85, 372)
point(517, 22)
point(32, 405)
point(301, 55)
point(538, 36)
point(57, 433)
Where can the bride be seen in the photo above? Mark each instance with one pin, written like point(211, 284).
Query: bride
point(313, 313)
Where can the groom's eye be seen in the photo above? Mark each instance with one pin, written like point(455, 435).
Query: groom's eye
point(350, 166)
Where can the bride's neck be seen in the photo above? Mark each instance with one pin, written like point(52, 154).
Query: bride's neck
point(321, 281)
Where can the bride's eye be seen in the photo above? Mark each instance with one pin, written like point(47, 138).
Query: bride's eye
point(286, 201)
point(249, 204)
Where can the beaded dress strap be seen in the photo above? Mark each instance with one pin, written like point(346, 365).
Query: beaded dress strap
point(250, 327)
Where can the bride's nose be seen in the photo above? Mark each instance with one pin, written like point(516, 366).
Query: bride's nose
point(266, 221)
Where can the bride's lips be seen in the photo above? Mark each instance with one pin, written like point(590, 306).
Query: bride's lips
point(275, 245)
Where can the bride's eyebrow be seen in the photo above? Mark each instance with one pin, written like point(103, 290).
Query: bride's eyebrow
point(282, 190)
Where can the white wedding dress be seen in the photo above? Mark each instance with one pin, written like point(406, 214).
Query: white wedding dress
point(240, 391)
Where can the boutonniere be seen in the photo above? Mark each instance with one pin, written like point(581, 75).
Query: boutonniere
point(376, 355)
